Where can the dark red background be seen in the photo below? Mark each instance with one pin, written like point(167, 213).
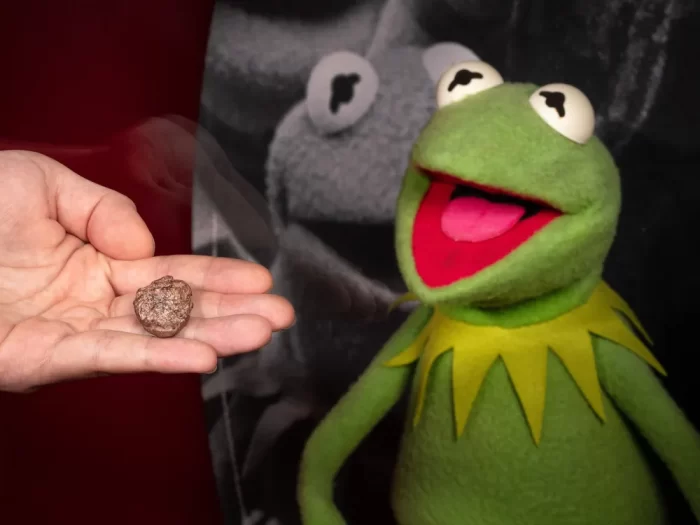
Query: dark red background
point(121, 449)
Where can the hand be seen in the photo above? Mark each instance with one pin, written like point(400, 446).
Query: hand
point(73, 254)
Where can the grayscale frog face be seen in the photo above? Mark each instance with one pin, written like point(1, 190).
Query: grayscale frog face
point(340, 154)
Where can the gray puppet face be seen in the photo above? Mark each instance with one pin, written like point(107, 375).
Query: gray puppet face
point(340, 154)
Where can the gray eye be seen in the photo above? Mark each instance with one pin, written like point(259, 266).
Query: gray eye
point(465, 79)
point(340, 91)
point(566, 109)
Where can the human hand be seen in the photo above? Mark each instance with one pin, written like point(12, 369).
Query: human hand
point(73, 254)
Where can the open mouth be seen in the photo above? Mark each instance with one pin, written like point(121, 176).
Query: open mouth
point(463, 227)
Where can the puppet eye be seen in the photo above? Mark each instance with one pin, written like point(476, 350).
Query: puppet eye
point(566, 109)
point(341, 89)
point(465, 79)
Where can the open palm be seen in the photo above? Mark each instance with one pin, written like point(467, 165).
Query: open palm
point(73, 254)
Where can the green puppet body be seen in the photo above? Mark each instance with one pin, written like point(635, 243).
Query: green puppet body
point(531, 380)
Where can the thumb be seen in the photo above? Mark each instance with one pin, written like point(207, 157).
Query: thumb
point(106, 219)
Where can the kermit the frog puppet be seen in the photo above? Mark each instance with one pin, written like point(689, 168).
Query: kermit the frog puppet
point(531, 381)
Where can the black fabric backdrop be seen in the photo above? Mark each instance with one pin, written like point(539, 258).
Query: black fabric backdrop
point(636, 60)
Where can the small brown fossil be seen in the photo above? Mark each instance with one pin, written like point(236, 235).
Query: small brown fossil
point(163, 307)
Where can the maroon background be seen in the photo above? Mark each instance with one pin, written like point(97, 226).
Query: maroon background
point(121, 449)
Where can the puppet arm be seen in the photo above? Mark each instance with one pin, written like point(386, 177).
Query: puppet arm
point(348, 423)
point(639, 394)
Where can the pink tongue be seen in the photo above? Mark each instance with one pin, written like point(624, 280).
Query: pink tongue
point(474, 219)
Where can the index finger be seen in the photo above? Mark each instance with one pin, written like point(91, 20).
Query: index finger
point(211, 274)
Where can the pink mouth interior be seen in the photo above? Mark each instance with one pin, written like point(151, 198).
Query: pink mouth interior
point(455, 236)
point(474, 219)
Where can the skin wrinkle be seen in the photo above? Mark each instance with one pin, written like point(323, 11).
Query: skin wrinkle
point(104, 263)
point(34, 297)
point(68, 314)
point(48, 356)
point(106, 339)
point(218, 305)
point(4, 335)
point(111, 310)
point(90, 217)
point(93, 279)
point(55, 249)
point(95, 323)
point(51, 186)
point(49, 183)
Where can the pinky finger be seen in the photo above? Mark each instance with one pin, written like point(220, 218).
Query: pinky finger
point(111, 352)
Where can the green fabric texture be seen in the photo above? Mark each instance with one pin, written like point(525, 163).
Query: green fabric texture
point(583, 471)
point(493, 475)
point(495, 138)
point(531, 311)
point(639, 394)
point(365, 404)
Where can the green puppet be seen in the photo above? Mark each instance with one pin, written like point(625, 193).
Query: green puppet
point(531, 380)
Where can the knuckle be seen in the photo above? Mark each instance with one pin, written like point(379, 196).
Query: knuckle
point(104, 341)
point(145, 356)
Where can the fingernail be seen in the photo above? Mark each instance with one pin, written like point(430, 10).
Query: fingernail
point(215, 369)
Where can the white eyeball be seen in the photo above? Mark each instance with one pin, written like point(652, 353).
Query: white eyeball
point(566, 109)
point(465, 79)
point(341, 89)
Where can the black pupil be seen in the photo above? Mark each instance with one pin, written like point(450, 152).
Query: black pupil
point(555, 100)
point(463, 77)
point(342, 90)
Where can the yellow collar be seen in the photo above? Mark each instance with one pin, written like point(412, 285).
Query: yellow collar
point(524, 350)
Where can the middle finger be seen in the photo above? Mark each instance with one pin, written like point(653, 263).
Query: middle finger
point(277, 310)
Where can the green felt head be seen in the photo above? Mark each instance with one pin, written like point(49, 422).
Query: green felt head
point(495, 138)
